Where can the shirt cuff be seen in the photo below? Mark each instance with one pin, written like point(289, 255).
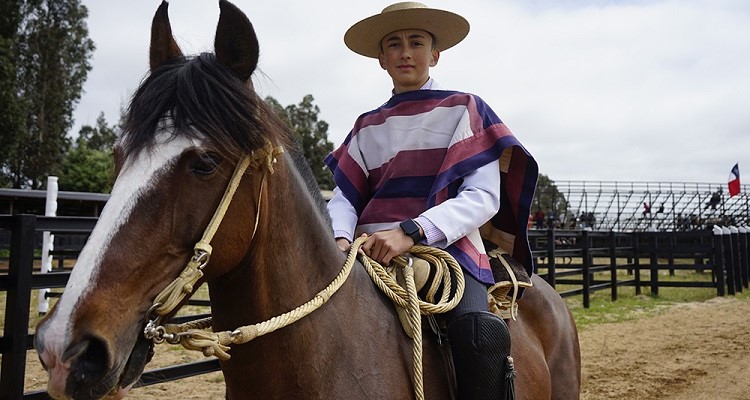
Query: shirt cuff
point(343, 234)
point(432, 234)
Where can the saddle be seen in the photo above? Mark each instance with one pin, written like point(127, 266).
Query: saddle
point(510, 276)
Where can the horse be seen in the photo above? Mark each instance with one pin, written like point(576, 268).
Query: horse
point(189, 124)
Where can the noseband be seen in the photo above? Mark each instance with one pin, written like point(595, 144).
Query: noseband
point(176, 292)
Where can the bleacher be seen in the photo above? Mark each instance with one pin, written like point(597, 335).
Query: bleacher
point(619, 206)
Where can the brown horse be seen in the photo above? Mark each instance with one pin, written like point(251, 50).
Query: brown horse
point(189, 124)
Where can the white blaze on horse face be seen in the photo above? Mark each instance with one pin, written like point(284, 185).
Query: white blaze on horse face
point(136, 177)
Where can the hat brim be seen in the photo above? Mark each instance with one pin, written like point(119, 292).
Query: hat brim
point(448, 28)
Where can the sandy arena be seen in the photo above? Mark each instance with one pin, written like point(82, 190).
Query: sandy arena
point(693, 351)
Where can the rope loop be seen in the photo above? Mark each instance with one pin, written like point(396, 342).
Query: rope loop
point(407, 299)
point(196, 335)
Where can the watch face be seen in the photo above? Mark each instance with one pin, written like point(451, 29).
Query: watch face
point(409, 227)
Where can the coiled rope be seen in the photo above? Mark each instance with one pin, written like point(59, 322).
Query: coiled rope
point(196, 335)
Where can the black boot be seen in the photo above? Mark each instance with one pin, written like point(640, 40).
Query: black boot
point(480, 344)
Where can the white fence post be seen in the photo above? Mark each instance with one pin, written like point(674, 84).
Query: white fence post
point(48, 243)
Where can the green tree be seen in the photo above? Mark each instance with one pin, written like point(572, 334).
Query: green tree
point(11, 123)
point(311, 133)
point(551, 201)
point(100, 137)
point(52, 52)
point(89, 166)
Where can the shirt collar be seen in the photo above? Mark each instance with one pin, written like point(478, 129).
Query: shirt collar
point(431, 84)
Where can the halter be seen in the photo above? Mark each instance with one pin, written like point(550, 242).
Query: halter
point(196, 335)
point(173, 295)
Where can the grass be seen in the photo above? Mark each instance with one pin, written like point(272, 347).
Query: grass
point(630, 306)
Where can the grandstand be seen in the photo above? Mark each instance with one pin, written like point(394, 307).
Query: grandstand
point(605, 205)
point(619, 206)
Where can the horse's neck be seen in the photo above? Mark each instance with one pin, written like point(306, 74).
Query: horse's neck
point(292, 256)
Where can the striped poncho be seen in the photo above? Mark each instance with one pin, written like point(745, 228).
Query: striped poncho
point(411, 154)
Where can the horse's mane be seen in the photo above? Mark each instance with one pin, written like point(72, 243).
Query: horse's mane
point(310, 182)
point(200, 96)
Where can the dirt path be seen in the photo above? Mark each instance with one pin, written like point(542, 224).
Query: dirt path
point(695, 351)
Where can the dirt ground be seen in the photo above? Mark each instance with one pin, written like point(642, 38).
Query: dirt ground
point(695, 351)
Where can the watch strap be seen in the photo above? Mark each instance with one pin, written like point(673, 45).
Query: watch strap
point(411, 229)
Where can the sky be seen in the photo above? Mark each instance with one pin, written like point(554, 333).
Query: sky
point(596, 90)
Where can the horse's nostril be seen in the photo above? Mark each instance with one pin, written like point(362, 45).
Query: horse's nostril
point(90, 360)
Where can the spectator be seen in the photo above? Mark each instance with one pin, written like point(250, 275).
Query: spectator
point(646, 209)
point(539, 219)
point(715, 200)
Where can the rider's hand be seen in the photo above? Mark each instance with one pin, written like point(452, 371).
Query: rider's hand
point(383, 246)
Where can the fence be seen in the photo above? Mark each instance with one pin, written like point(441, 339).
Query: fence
point(724, 252)
point(18, 283)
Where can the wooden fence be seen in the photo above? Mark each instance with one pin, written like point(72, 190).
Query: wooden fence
point(569, 259)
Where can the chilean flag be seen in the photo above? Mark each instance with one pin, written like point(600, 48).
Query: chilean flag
point(734, 180)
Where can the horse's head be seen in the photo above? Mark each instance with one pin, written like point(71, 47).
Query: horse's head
point(189, 124)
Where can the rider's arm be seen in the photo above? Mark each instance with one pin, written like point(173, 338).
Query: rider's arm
point(477, 201)
point(343, 215)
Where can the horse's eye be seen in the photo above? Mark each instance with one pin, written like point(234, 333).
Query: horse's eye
point(206, 164)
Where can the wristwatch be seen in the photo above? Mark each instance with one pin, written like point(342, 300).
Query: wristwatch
point(411, 229)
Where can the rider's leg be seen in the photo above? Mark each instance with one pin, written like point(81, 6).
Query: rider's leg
point(480, 344)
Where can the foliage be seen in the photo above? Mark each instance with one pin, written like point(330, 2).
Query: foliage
point(100, 137)
point(11, 123)
point(51, 59)
point(311, 133)
point(89, 166)
point(551, 202)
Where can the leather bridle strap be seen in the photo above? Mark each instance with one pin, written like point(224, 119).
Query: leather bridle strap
point(183, 286)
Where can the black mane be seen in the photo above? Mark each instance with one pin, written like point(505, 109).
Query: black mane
point(200, 94)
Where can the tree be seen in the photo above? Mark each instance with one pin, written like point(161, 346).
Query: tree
point(549, 199)
point(311, 133)
point(51, 55)
point(89, 166)
point(11, 123)
point(100, 137)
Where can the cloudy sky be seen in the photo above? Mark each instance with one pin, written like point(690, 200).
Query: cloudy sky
point(596, 90)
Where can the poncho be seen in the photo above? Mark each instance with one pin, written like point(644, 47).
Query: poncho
point(411, 154)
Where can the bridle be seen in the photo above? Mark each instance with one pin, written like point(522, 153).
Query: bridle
point(196, 335)
point(183, 286)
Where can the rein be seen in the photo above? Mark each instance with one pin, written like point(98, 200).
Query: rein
point(183, 286)
point(196, 335)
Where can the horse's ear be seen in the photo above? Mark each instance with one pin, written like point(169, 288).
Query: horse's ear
point(163, 47)
point(236, 44)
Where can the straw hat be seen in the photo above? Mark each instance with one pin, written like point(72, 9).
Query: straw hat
point(448, 28)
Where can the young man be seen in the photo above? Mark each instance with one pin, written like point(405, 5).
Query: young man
point(433, 166)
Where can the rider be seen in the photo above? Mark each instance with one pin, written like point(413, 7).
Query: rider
point(432, 166)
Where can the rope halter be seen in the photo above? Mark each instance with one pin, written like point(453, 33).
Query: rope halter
point(184, 285)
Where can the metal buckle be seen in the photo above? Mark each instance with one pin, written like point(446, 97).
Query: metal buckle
point(153, 331)
point(201, 258)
